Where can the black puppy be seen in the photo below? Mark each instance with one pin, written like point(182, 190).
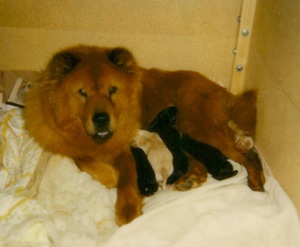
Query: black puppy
point(164, 126)
point(215, 162)
point(146, 178)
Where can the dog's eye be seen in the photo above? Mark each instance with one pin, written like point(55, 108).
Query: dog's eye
point(112, 90)
point(83, 93)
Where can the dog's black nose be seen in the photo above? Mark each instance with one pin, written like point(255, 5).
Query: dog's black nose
point(101, 119)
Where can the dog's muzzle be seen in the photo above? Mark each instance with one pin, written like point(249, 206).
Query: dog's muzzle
point(101, 121)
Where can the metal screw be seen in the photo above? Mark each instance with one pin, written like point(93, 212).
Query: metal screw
point(245, 32)
point(239, 67)
point(234, 51)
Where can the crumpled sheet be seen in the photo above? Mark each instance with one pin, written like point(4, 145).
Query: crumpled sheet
point(46, 201)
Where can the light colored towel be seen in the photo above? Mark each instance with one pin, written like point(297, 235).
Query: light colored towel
point(61, 206)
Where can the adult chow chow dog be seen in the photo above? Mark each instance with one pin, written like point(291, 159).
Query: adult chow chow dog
point(91, 101)
point(87, 106)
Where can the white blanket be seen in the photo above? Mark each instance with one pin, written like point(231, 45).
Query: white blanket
point(65, 207)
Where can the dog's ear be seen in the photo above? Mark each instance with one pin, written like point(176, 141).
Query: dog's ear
point(122, 58)
point(62, 64)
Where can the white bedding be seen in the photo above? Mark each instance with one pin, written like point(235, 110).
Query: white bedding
point(65, 207)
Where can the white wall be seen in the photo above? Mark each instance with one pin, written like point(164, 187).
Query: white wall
point(170, 34)
point(274, 68)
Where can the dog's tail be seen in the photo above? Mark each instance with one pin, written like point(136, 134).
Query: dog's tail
point(242, 110)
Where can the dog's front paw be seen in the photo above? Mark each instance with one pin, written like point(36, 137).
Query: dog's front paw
point(128, 205)
point(127, 213)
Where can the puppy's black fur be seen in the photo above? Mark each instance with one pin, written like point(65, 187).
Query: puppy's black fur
point(164, 126)
point(215, 162)
point(146, 177)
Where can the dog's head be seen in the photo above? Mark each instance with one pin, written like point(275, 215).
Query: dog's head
point(91, 93)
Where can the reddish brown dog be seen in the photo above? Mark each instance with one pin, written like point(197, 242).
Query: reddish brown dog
point(91, 101)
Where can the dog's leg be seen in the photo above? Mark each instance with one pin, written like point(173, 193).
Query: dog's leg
point(102, 172)
point(242, 110)
point(244, 143)
point(251, 162)
point(254, 169)
point(129, 200)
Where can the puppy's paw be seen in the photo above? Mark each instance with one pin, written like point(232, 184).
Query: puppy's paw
point(194, 177)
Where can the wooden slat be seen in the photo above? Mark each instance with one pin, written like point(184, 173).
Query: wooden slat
point(243, 44)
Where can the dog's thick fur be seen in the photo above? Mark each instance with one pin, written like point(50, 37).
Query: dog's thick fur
point(91, 101)
point(87, 107)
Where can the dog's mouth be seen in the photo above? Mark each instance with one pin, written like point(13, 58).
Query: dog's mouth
point(102, 135)
point(101, 130)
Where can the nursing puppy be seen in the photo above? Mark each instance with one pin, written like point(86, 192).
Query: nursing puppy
point(158, 154)
point(165, 126)
point(146, 179)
